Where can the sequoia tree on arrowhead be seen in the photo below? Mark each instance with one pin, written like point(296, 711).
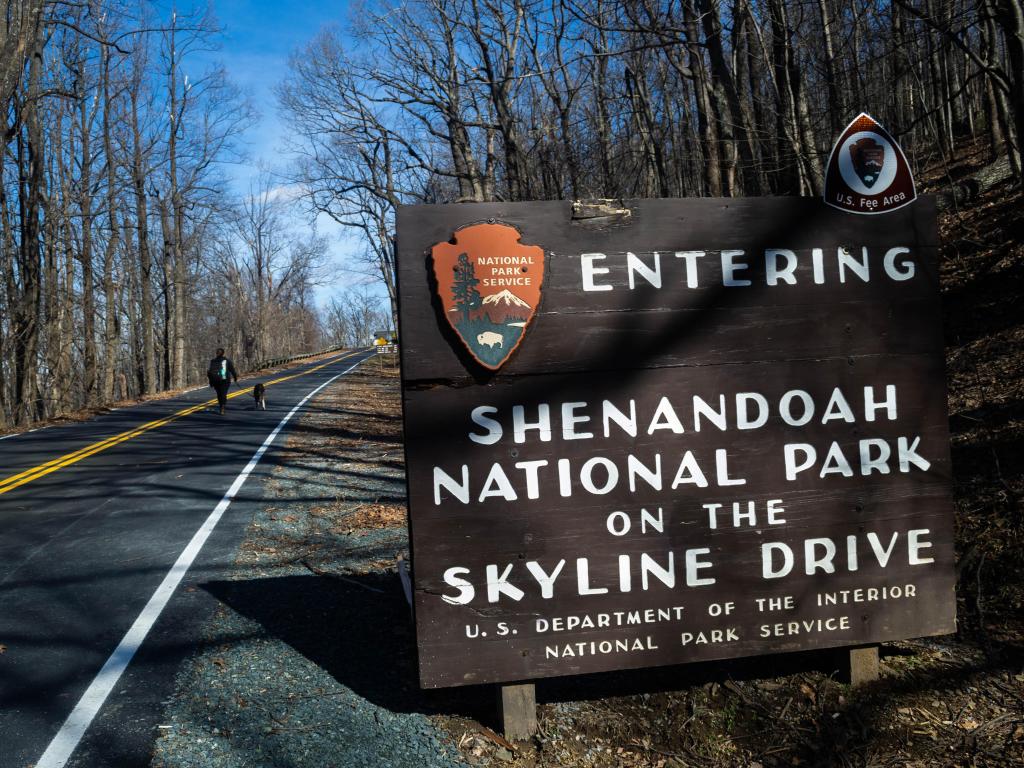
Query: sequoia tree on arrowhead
point(464, 292)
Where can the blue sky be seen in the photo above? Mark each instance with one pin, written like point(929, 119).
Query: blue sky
point(258, 37)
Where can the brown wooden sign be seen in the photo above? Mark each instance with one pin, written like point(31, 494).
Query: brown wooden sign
point(725, 434)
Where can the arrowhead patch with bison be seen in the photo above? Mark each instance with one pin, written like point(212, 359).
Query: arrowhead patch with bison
point(489, 286)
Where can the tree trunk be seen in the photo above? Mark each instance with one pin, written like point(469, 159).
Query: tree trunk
point(601, 117)
point(734, 119)
point(1010, 15)
point(836, 109)
point(655, 182)
point(25, 320)
point(705, 113)
point(19, 36)
point(7, 261)
point(167, 286)
point(499, 76)
point(85, 186)
point(175, 271)
point(145, 276)
point(110, 315)
point(58, 250)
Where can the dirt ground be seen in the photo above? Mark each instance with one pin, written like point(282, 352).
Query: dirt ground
point(950, 701)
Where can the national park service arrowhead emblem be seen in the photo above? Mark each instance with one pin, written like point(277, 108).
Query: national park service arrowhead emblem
point(867, 172)
point(489, 285)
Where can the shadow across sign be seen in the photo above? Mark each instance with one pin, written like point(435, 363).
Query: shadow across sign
point(723, 434)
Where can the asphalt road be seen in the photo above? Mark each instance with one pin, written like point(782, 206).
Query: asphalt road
point(83, 548)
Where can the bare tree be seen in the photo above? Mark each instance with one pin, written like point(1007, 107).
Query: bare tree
point(111, 206)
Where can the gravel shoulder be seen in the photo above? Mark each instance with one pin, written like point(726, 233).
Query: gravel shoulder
point(307, 660)
point(310, 659)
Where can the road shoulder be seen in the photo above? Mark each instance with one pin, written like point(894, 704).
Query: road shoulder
point(307, 660)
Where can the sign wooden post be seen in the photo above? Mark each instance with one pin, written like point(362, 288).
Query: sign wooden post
point(708, 429)
point(863, 665)
point(517, 705)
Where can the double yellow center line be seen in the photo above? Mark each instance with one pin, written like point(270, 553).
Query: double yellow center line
point(14, 481)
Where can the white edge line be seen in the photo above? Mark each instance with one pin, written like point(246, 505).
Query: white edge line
point(71, 732)
point(26, 432)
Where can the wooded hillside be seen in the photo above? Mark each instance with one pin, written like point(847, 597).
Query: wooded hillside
point(444, 100)
point(123, 260)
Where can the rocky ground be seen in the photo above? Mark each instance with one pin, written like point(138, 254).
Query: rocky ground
point(311, 657)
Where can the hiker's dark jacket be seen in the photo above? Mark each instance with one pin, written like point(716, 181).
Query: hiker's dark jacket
point(221, 371)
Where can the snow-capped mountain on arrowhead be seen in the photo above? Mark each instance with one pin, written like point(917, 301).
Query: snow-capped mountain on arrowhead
point(507, 298)
point(505, 306)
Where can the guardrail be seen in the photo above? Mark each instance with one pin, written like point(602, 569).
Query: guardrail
point(273, 363)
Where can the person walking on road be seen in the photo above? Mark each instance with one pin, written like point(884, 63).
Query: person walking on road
point(220, 373)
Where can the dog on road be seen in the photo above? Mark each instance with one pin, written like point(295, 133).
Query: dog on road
point(259, 393)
